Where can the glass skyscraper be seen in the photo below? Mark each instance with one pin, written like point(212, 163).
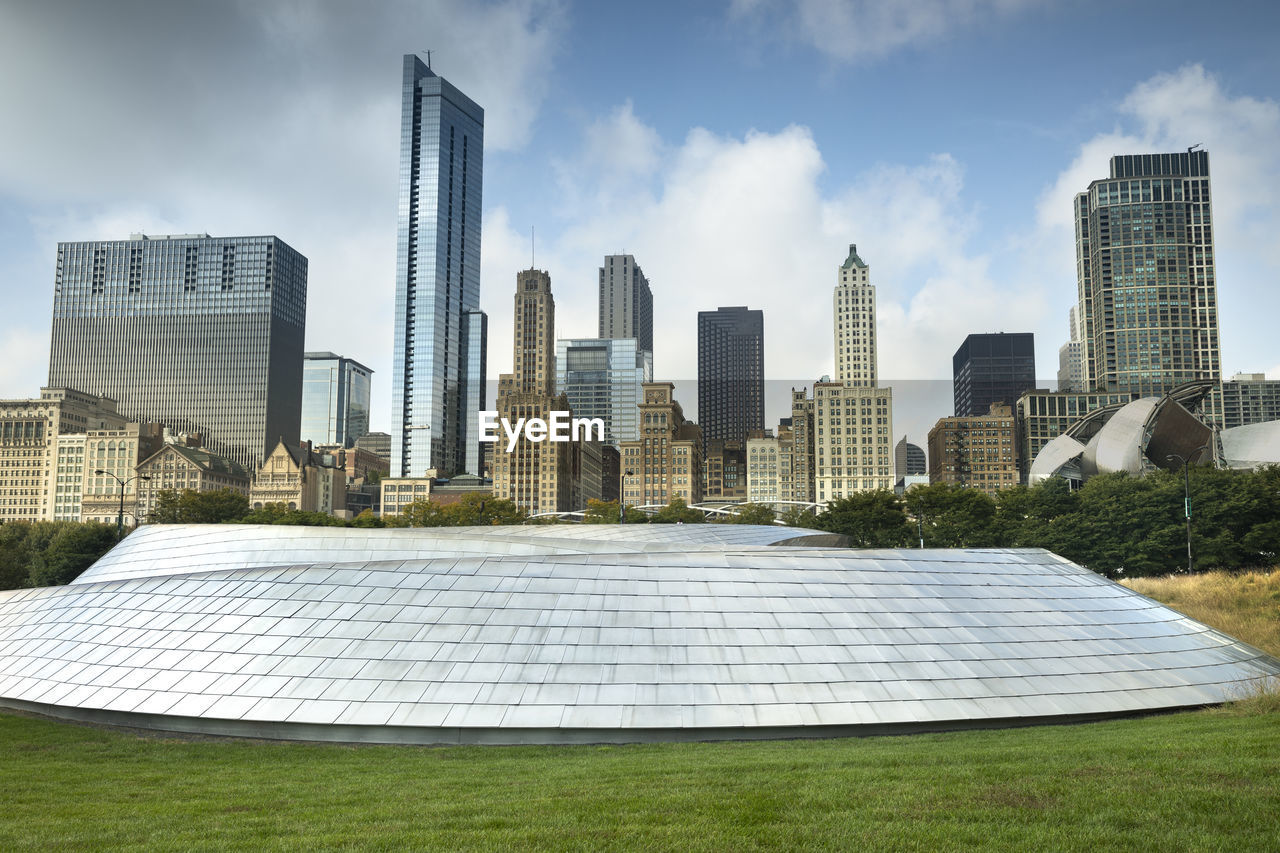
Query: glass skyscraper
point(437, 388)
point(605, 379)
point(1148, 303)
point(335, 399)
point(992, 368)
point(730, 373)
point(203, 334)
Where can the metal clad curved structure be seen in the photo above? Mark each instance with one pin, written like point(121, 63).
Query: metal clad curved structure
point(607, 634)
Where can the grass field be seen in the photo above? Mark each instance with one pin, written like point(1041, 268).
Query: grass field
point(1246, 605)
point(1207, 780)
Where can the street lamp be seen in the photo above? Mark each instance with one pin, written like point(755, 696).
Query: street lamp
point(123, 483)
point(622, 499)
point(1186, 494)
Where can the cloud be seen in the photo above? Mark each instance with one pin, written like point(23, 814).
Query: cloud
point(1170, 112)
point(244, 118)
point(850, 31)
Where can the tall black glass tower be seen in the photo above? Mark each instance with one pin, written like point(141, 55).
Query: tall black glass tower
point(203, 334)
point(437, 388)
point(730, 372)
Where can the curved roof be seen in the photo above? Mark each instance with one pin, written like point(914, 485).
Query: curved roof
point(618, 641)
point(1118, 445)
point(1056, 453)
point(1252, 445)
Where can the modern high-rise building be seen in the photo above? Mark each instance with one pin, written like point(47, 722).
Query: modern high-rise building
point(202, 334)
point(992, 368)
point(854, 313)
point(626, 303)
point(335, 399)
point(730, 373)
point(909, 459)
point(605, 379)
point(437, 382)
point(1147, 292)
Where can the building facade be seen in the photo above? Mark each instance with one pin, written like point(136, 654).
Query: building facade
point(335, 399)
point(853, 430)
point(111, 461)
point(298, 478)
point(724, 470)
point(992, 368)
point(1145, 264)
point(770, 472)
point(40, 471)
point(666, 461)
point(178, 468)
point(202, 334)
point(730, 373)
point(626, 303)
point(540, 476)
point(854, 326)
point(399, 492)
point(604, 378)
point(803, 462)
point(437, 388)
point(1250, 398)
point(1071, 355)
point(909, 459)
point(980, 452)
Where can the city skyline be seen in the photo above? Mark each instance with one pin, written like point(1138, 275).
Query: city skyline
point(737, 192)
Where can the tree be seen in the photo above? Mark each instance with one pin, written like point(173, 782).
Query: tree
point(749, 513)
point(477, 508)
point(73, 548)
point(192, 507)
point(367, 519)
point(798, 516)
point(875, 519)
point(601, 512)
point(15, 554)
point(953, 516)
point(677, 512)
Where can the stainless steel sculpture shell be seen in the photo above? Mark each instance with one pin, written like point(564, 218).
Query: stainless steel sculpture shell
point(591, 633)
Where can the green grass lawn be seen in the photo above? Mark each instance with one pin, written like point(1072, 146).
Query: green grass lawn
point(1194, 781)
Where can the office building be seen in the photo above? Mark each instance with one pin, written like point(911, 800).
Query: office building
point(854, 322)
point(666, 461)
point(852, 453)
point(724, 470)
point(202, 334)
point(1250, 398)
point(994, 368)
point(540, 476)
point(803, 463)
point(440, 338)
point(1145, 265)
point(730, 373)
point(604, 378)
point(40, 471)
point(770, 471)
point(1071, 355)
point(116, 453)
point(980, 452)
point(377, 443)
point(178, 468)
point(626, 303)
point(908, 461)
point(335, 399)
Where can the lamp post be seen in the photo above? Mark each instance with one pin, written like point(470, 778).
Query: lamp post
point(1186, 494)
point(123, 483)
point(622, 499)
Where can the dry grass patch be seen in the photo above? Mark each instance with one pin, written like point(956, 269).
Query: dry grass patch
point(1244, 605)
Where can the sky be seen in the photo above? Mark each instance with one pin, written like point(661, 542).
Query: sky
point(735, 147)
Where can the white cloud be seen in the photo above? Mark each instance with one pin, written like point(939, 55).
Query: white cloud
point(1170, 112)
point(867, 30)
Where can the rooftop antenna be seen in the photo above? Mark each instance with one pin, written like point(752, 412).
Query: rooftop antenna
point(533, 252)
point(428, 53)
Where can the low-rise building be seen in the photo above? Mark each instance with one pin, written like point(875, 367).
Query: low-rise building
point(296, 476)
point(978, 451)
point(399, 492)
point(111, 458)
point(666, 462)
point(178, 468)
point(1250, 398)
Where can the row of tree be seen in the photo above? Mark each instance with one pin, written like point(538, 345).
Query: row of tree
point(1116, 524)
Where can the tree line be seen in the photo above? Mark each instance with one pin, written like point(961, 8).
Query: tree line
point(1116, 524)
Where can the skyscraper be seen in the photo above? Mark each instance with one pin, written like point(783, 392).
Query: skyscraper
point(730, 373)
point(993, 368)
point(605, 379)
point(1147, 293)
point(854, 311)
point(626, 303)
point(853, 416)
point(1071, 354)
point(437, 388)
point(203, 334)
point(335, 399)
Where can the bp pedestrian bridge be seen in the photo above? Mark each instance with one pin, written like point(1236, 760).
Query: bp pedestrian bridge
point(592, 633)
